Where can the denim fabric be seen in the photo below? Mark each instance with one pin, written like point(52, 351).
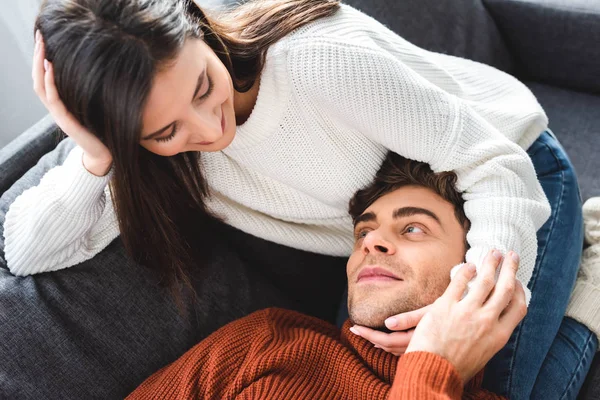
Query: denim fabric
point(548, 354)
point(575, 120)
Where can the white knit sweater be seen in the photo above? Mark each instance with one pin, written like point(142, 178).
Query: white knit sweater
point(334, 96)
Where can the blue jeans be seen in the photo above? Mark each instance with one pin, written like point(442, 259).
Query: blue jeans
point(549, 355)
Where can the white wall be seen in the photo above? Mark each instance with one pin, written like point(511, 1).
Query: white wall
point(19, 106)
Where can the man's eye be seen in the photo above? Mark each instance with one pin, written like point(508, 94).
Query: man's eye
point(413, 229)
point(361, 234)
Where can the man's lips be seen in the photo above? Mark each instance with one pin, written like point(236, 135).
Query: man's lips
point(376, 274)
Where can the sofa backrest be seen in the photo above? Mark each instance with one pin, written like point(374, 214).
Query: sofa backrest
point(552, 41)
point(461, 28)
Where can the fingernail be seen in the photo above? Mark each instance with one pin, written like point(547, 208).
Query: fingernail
point(497, 255)
point(46, 65)
point(355, 331)
point(37, 35)
point(377, 347)
point(391, 322)
point(514, 256)
point(470, 267)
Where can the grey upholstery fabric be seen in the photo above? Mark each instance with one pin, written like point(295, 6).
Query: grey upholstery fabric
point(461, 28)
point(575, 120)
point(552, 41)
point(24, 152)
point(98, 329)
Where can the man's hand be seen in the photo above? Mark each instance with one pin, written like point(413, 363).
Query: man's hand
point(470, 331)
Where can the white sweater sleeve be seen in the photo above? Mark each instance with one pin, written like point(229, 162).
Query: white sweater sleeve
point(67, 219)
point(414, 109)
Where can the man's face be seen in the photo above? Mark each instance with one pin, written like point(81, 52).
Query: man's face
point(406, 243)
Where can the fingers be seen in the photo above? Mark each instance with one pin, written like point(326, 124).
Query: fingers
point(391, 342)
point(505, 287)
point(516, 310)
point(486, 278)
point(459, 283)
point(51, 91)
point(37, 70)
point(407, 320)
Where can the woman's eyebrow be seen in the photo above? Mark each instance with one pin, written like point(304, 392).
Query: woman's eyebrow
point(161, 130)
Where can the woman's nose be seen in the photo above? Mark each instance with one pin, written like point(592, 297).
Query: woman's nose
point(206, 126)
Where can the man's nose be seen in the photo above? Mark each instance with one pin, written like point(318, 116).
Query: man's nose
point(375, 243)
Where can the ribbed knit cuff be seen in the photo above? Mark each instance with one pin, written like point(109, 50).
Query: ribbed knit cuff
point(476, 255)
point(420, 374)
point(78, 180)
point(584, 306)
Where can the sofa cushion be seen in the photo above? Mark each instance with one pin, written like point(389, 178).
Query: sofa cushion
point(552, 41)
point(98, 329)
point(575, 120)
point(461, 28)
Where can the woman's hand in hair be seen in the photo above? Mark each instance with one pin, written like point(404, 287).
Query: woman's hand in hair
point(96, 156)
point(469, 331)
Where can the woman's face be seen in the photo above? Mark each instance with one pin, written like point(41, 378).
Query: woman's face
point(190, 107)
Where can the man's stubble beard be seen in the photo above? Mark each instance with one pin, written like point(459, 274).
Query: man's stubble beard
point(374, 306)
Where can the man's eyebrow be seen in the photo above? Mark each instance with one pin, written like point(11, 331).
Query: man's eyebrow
point(366, 217)
point(161, 130)
point(410, 211)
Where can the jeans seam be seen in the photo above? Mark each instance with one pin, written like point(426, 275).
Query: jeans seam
point(534, 279)
point(581, 362)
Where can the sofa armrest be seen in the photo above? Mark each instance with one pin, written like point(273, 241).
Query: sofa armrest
point(21, 154)
point(552, 41)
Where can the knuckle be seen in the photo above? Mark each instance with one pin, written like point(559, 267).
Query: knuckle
point(488, 282)
point(522, 308)
point(510, 288)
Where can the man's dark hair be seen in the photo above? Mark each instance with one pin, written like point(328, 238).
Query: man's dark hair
point(396, 172)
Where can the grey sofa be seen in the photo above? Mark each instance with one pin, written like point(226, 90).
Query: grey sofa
point(551, 45)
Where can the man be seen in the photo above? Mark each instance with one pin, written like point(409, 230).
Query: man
point(409, 231)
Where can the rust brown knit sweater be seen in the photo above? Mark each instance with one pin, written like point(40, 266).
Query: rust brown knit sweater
point(281, 354)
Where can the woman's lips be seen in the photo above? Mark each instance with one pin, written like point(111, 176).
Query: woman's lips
point(370, 274)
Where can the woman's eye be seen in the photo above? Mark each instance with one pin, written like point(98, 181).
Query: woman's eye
point(414, 229)
point(167, 138)
point(209, 90)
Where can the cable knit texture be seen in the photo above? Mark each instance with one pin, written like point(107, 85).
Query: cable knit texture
point(335, 96)
point(281, 354)
point(584, 305)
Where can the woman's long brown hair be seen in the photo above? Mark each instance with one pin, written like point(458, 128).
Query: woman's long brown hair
point(105, 55)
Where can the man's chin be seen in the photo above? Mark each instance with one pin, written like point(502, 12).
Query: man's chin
point(372, 308)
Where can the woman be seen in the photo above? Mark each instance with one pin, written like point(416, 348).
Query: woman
point(280, 111)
